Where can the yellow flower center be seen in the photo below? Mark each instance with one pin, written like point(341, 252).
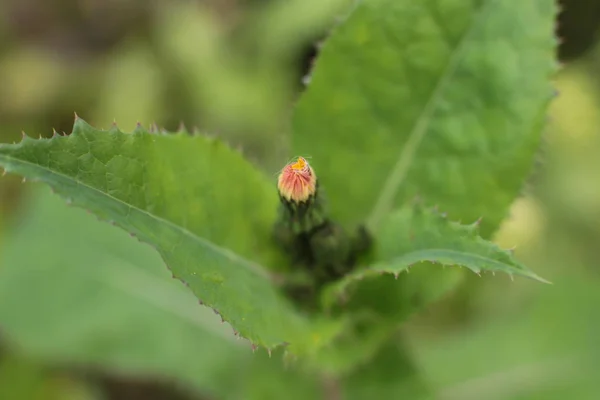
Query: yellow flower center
point(299, 165)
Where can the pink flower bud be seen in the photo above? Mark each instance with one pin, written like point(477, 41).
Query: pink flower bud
point(297, 181)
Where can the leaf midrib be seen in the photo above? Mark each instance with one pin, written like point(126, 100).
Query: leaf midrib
point(455, 253)
point(252, 267)
point(384, 202)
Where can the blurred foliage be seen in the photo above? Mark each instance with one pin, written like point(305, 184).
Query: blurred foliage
point(523, 342)
point(172, 62)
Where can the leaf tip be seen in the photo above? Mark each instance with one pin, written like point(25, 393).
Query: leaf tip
point(538, 278)
point(153, 128)
point(80, 125)
point(139, 128)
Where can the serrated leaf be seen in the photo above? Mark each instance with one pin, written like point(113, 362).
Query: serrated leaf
point(417, 236)
point(89, 294)
point(79, 293)
point(200, 204)
point(397, 298)
point(438, 98)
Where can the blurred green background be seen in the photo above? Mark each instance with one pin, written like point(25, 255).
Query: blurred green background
point(79, 317)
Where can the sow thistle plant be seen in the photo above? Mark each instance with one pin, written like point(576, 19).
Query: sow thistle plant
point(414, 120)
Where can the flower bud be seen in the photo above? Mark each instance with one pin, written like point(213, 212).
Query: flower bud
point(297, 181)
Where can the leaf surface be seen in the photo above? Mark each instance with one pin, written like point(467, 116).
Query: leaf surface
point(416, 235)
point(77, 292)
point(443, 99)
point(205, 209)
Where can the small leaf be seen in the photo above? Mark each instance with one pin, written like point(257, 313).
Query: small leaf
point(200, 204)
point(415, 236)
point(444, 99)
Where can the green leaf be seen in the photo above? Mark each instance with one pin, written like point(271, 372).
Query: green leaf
point(396, 298)
point(444, 99)
point(73, 289)
point(415, 236)
point(77, 292)
point(205, 209)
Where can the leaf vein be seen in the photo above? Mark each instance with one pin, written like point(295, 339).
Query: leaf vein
point(385, 200)
point(251, 266)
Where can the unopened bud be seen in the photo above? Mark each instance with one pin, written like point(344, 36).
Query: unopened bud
point(297, 181)
point(305, 231)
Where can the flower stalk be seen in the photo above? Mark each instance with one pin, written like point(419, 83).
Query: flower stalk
point(306, 232)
